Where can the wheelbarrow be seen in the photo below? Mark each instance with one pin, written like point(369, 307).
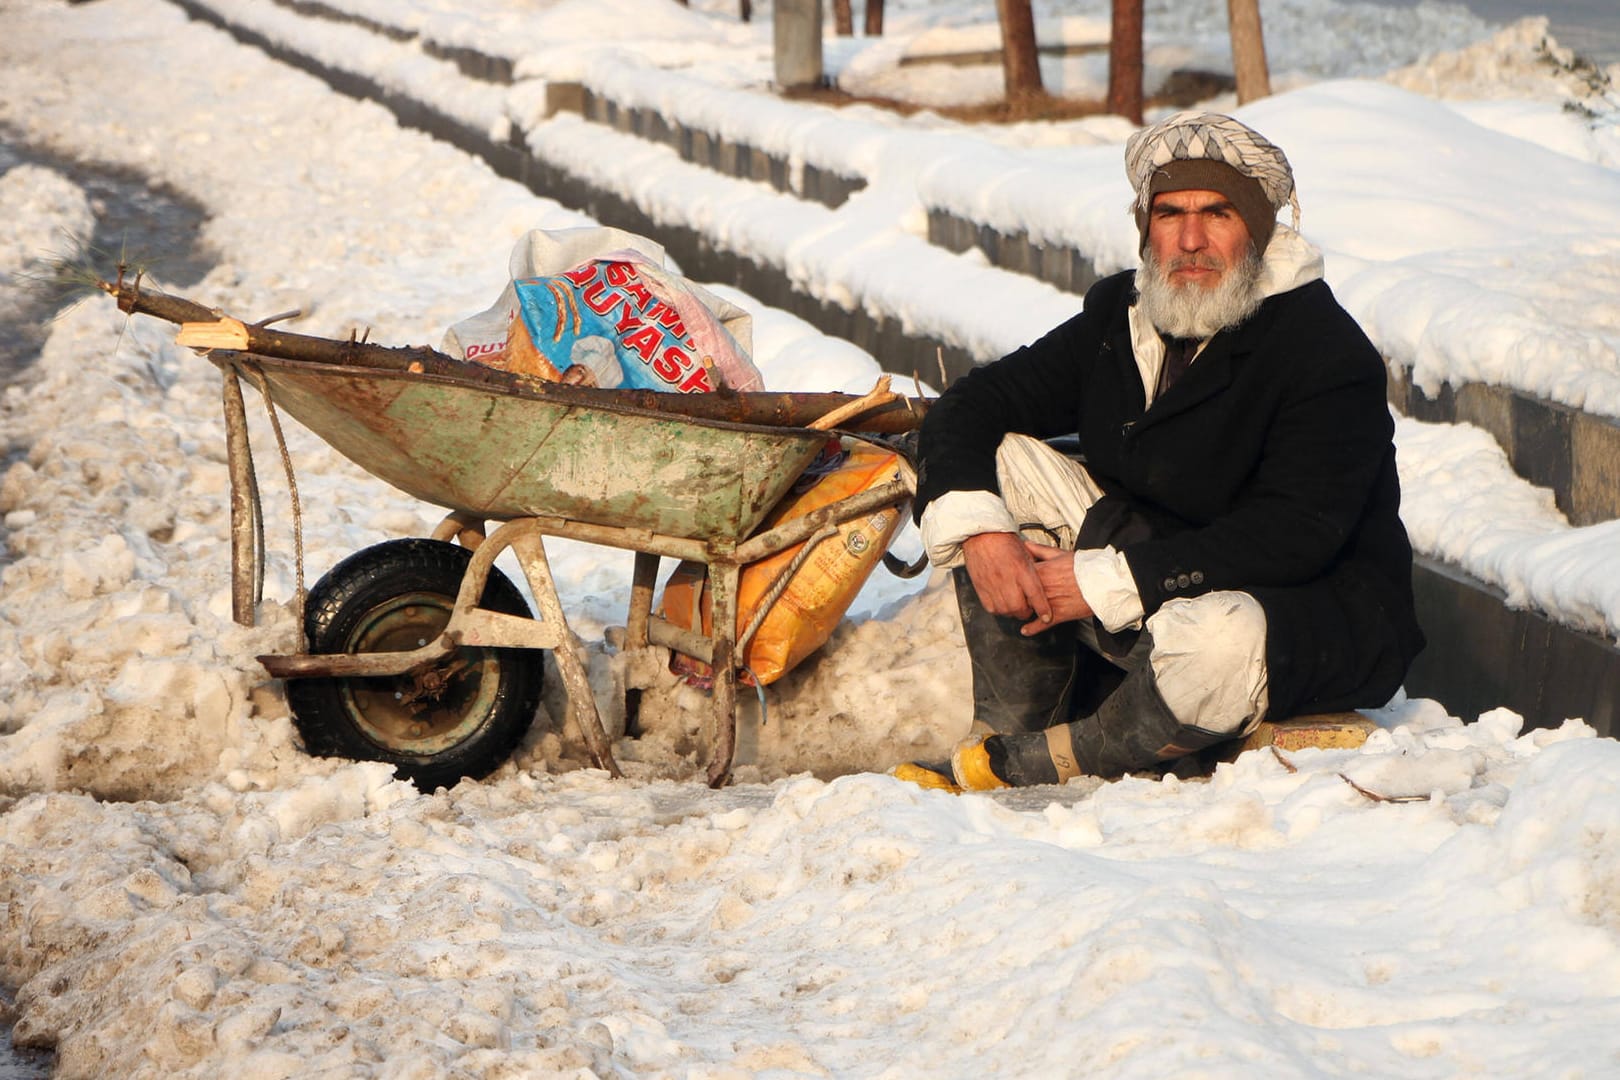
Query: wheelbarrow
point(420, 652)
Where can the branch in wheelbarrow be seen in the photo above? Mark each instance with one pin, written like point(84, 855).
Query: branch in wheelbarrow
point(212, 329)
point(224, 331)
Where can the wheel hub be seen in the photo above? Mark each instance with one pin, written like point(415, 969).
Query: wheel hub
point(426, 712)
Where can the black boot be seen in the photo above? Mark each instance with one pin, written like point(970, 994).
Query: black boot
point(989, 762)
point(1132, 729)
point(1019, 683)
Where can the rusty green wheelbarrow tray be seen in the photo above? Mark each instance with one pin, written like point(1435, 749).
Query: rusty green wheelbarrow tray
point(658, 475)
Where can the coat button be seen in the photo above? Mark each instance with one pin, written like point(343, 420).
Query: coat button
point(1197, 577)
point(1182, 581)
point(1169, 584)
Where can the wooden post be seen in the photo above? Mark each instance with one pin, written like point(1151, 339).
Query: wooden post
point(797, 30)
point(1020, 64)
point(1125, 61)
point(1248, 50)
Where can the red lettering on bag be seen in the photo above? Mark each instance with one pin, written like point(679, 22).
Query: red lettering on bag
point(667, 317)
point(598, 298)
point(628, 320)
point(617, 274)
point(697, 382)
point(644, 341)
point(640, 292)
point(581, 275)
point(666, 369)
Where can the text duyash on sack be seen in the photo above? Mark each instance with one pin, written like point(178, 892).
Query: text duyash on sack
point(595, 307)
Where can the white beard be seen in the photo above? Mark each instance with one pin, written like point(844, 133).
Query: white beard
point(1192, 311)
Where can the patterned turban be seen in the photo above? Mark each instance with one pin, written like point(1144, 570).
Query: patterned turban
point(1208, 151)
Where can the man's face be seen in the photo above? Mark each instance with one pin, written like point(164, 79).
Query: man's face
point(1196, 236)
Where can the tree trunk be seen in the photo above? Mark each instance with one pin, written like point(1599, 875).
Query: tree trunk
point(843, 19)
point(745, 10)
point(1125, 61)
point(1020, 64)
point(1248, 50)
point(874, 18)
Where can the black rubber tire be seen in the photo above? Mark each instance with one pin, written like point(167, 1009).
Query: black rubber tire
point(395, 596)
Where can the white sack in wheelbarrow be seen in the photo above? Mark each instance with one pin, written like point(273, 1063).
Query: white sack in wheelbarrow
point(597, 306)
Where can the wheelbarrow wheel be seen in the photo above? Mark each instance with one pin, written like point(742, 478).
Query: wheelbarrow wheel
point(462, 718)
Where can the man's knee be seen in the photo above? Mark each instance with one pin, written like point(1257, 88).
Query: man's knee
point(1209, 661)
point(1044, 488)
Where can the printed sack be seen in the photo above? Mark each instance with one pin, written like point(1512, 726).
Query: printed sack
point(823, 587)
point(597, 307)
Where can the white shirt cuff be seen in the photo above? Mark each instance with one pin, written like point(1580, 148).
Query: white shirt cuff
point(957, 515)
point(1105, 581)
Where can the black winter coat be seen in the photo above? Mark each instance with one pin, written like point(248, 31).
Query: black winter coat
point(1269, 467)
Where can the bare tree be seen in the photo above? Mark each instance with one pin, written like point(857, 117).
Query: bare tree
point(843, 19)
point(874, 18)
point(1125, 60)
point(1020, 63)
point(1248, 50)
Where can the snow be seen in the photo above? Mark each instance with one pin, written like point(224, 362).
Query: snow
point(186, 894)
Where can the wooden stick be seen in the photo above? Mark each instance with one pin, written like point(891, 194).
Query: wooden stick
point(880, 394)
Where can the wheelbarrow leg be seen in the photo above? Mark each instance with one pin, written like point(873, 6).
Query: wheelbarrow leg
point(641, 593)
point(723, 578)
point(247, 526)
point(636, 632)
point(531, 552)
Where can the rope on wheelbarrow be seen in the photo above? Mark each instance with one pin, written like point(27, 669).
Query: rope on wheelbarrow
point(292, 488)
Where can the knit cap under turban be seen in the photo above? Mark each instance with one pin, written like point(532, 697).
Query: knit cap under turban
point(1193, 151)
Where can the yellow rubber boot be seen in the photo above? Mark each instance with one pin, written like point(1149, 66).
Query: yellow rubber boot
point(970, 766)
point(925, 777)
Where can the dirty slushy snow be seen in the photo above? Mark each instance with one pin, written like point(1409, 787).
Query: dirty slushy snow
point(186, 894)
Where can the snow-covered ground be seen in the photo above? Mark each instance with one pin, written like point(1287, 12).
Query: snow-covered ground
point(185, 893)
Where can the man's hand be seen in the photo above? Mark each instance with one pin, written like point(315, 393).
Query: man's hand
point(1004, 575)
point(1054, 567)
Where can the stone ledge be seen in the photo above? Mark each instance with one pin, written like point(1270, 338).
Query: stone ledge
point(1574, 454)
point(1060, 266)
point(1483, 654)
point(699, 147)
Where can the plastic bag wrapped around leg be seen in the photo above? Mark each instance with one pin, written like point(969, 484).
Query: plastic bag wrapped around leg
point(597, 307)
point(815, 598)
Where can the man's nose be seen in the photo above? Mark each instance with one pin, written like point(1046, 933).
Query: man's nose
point(1194, 237)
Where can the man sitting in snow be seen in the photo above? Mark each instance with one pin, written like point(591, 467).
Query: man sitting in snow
point(1228, 547)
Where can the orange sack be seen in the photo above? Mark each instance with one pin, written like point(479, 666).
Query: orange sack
point(821, 590)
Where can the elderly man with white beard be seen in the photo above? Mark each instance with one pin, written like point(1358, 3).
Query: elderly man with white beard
point(1223, 544)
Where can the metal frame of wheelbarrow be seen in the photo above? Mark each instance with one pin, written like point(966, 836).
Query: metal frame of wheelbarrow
point(474, 626)
point(524, 534)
